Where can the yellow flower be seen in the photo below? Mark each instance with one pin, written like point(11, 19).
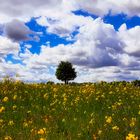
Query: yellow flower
point(116, 128)
point(45, 96)
point(25, 124)
point(14, 107)
point(11, 122)
point(99, 132)
point(65, 99)
point(133, 122)
point(5, 99)
point(63, 120)
point(91, 121)
point(14, 97)
point(2, 109)
point(77, 99)
point(108, 119)
point(114, 107)
point(7, 138)
point(54, 89)
point(75, 119)
point(1, 122)
point(42, 139)
point(125, 88)
point(131, 136)
point(29, 111)
point(42, 131)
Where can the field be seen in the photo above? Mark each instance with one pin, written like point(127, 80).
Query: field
point(103, 111)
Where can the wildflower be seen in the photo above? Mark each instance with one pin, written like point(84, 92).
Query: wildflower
point(63, 120)
point(2, 109)
point(77, 99)
point(29, 111)
point(111, 92)
point(42, 139)
point(133, 122)
point(25, 124)
point(91, 121)
point(92, 114)
point(115, 128)
point(131, 136)
point(79, 135)
point(45, 96)
point(5, 99)
point(54, 89)
point(65, 99)
point(1, 122)
point(85, 112)
point(42, 131)
point(119, 103)
point(108, 119)
point(114, 107)
point(11, 122)
point(94, 137)
point(97, 98)
point(7, 138)
point(99, 132)
point(14, 97)
point(75, 119)
point(103, 96)
point(125, 88)
point(14, 107)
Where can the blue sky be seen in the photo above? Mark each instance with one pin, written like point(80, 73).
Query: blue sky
point(101, 39)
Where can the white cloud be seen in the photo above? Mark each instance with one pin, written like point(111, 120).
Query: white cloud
point(63, 24)
point(93, 48)
point(131, 39)
point(8, 47)
point(99, 53)
point(24, 10)
point(101, 8)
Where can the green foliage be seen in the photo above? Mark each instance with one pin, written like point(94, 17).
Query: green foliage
point(136, 82)
point(65, 72)
point(50, 82)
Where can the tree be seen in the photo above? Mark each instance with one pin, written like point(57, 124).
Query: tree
point(65, 72)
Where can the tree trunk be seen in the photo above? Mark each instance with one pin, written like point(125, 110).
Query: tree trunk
point(66, 82)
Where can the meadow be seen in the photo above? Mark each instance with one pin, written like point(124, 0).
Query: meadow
point(90, 111)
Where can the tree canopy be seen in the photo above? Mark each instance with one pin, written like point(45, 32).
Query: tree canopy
point(65, 72)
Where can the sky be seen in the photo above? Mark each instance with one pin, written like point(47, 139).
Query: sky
point(100, 38)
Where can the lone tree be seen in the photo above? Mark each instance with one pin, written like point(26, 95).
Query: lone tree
point(65, 72)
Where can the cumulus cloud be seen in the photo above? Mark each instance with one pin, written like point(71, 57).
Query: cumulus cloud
point(96, 45)
point(8, 47)
point(101, 8)
point(62, 24)
point(131, 39)
point(20, 72)
point(17, 31)
point(99, 52)
point(24, 10)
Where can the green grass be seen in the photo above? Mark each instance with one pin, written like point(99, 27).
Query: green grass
point(103, 111)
